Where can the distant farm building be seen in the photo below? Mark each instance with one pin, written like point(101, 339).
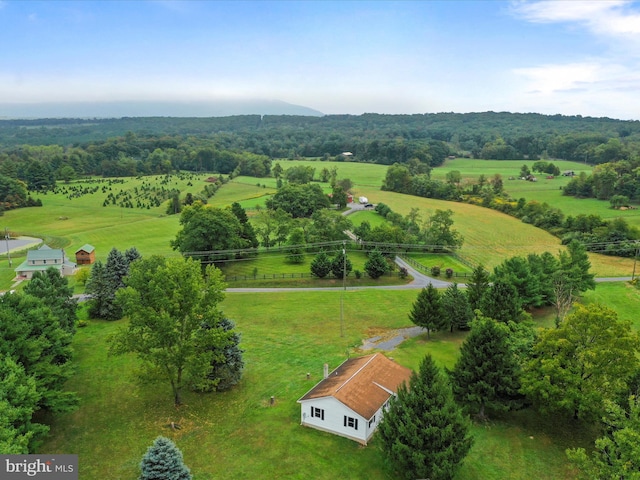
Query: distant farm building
point(86, 255)
point(347, 154)
point(568, 173)
point(41, 259)
point(363, 200)
point(351, 401)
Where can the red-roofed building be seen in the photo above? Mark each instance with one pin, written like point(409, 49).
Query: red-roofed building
point(351, 400)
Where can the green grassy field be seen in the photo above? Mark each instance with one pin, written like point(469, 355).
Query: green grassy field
point(285, 336)
point(544, 190)
point(490, 236)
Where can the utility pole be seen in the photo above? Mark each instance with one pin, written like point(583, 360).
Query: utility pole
point(344, 287)
point(635, 259)
point(6, 239)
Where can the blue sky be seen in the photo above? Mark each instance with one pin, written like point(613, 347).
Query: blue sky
point(569, 57)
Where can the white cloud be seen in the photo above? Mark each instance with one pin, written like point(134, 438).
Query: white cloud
point(548, 79)
point(611, 18)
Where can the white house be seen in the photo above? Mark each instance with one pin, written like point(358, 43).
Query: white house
point(41, 259)
point(351, 400)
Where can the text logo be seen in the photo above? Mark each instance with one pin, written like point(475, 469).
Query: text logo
point(45, 467)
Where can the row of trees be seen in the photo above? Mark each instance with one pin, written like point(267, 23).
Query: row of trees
point(516, 285)
point(619, 178)
point(36, 329)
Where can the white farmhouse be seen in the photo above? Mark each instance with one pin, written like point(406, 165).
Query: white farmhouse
point(41, 259)
point(351, 400)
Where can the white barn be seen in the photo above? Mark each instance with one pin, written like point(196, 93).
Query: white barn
point(351, 400)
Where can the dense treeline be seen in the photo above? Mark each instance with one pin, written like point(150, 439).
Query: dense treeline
point(369, 137)
point(618, 182)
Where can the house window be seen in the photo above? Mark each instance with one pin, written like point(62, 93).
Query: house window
point(317, 412)
point(372, 421)
point(44, 261)
point(351, 422)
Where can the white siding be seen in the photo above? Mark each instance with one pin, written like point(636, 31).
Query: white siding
point(334, 413)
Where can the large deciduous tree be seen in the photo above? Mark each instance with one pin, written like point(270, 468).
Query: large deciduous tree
point(206, 229)
point(163, 460)
point(299, 200)
point(439, 231)
point(175, 326)
point(617, 452)
point(426, 311)
point(485, 376)
point(587, 360)
point(424, 433)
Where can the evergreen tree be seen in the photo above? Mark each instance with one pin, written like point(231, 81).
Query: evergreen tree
point(105, 280)
point(423, 432)
point(516, 271)
point(376, 265)
point(163, 461)
point(485, 375)
point(247, 232)
point(321, 265)
point(18, 401)
point(456, 309)
point(32, 336)
point(54, 289)
point(227, 363)
point(341, 265)
point(501, 302)
point(427, 310)
point(575, 263)
point(477, 286)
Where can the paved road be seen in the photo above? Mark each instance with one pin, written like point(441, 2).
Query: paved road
point(19, 243)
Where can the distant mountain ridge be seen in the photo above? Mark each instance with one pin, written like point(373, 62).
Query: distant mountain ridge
point(214, 108)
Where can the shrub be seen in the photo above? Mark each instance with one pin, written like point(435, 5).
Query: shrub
point(357, 273)
point(435, 270)
point(403, 273)
point(449, 272)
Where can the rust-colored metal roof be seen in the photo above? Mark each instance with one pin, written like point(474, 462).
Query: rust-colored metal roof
point(363, 384)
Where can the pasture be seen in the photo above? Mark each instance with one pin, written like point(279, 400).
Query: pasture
point(69, 222)
point(285, 335)
point(238, 434)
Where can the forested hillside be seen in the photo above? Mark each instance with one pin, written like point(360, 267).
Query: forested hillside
point(370, 137)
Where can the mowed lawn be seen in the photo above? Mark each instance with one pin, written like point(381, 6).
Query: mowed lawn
point(238, 434)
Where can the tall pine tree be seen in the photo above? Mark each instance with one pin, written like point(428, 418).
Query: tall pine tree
point(163, 461)
point(456, 309)
point(485, 377)
point(424, 433)
point(427, 310)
